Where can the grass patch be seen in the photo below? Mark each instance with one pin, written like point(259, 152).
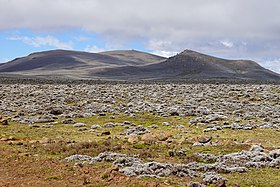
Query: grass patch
point(264, 177)
point(24, 150)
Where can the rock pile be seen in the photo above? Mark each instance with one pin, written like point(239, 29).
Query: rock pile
point(234, 162)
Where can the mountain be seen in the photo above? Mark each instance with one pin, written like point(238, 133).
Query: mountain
point(193, 65)
point(75, 63)
point(131, 64)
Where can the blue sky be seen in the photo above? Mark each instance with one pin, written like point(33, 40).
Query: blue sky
point(21, 42)
point(234, 29)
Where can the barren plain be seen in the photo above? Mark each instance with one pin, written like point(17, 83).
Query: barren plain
point(136, 134)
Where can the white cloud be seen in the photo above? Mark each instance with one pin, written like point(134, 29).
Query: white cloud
point(174, 20)
point(159, 44)
point(162, 48)
point(164, 53)
point(273, 65)
point(93, 49)
point(179, 24)
point(227, 43)
point(39, 41)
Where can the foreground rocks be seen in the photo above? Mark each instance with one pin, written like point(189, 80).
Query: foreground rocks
point(131, 165)
point(219, 105)
point(191, 118)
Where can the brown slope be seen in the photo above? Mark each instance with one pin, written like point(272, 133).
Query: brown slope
point(137, 57)
point(193, 65)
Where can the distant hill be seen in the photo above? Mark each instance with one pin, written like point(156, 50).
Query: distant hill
point(131, 64)
point(193, 65)
point(63, 59)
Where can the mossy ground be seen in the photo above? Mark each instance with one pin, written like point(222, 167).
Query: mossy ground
point(27, 161)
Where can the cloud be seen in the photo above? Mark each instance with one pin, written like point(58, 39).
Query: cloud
point(39, 41)
point(94, 49)
point(164, 53)
point(251, 28)
point(176, 20)
point(227, 44)
point(273, 65)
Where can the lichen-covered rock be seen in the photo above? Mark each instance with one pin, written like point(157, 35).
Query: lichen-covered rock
point(78, 157)
point(109, 125)
point(68, 121)
point(196, 184)
point(96, 126)
point(213, 178)
point(79, 125)
point(139, 130)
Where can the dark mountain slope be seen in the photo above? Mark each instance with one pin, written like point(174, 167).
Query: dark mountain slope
point(193, 65)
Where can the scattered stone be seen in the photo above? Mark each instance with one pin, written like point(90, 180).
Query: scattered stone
point(19, 143)
point(46, 126)
point(109, 125)
point(213, 178)
point(181, 152)
point(204, 139)
point(83, 129)
point(275, 154)
point(78, 157)
point(207, 157)
point(34, 126)
point(96, 127)
point(256, 148)
point(105, 133)
point(126, 122)
point(68, 121)
point(79, 125)
point(174, 113)
point(171, 153)
point(56, 111)
point(197, 144)
point(210, 129)
point(165, 124)
point(44, 141)
point(4, 121)
point(139, 130)
point(180, 126)
point(4, 139)
point(153, 126)
point(196, 184)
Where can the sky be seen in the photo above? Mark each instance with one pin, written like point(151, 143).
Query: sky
point(233, 29)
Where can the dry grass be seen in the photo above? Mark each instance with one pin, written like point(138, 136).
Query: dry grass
point(25, 161)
